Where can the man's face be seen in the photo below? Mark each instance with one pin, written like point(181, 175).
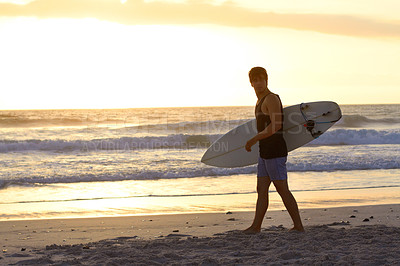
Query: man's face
point(259, 84)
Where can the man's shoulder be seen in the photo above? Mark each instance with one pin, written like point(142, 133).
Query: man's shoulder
point(272, 98)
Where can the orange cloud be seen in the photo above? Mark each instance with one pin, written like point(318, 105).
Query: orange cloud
point(137, 12)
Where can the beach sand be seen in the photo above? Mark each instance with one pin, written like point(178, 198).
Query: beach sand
point(363, 235)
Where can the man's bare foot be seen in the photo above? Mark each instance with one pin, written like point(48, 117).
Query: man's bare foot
point(297, 229)
point(251, 231)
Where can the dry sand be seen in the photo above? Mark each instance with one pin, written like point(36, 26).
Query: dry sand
point(364, 235)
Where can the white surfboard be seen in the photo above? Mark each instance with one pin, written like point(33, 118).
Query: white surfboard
point(228, 151)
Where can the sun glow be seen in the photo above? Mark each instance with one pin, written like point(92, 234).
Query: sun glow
point(92, 59)
point(99, 64)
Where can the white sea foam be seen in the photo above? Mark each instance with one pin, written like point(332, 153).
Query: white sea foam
point(358, 137)
point(146, 166)
point(180, 141)
point(188, 141)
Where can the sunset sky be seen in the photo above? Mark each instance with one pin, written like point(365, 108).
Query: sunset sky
point(137, 53)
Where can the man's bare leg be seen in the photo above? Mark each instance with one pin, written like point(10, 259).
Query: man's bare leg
point(261, 205)
point(290, 203)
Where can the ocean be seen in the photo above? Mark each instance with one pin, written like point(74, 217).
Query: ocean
point(88, 163)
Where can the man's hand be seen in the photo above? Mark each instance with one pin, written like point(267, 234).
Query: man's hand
point(250, 143)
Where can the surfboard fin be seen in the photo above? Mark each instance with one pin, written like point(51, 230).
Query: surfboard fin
point(303, 107)
point(310, 125)
point(316, 134)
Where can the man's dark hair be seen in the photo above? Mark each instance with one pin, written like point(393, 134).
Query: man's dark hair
point(258, 71)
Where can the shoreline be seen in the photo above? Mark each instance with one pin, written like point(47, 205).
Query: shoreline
point(150, 205)
point(27, 239)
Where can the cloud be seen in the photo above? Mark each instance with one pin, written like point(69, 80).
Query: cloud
point(138, 12)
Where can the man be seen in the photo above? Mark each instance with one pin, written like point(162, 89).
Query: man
point(273, 152)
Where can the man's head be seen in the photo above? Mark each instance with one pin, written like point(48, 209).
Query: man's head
point(258, 78)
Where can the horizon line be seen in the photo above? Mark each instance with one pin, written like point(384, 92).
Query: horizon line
point(165, 107)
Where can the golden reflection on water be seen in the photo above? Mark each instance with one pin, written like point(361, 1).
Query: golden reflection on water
point(192, 204)
point(184, 195)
